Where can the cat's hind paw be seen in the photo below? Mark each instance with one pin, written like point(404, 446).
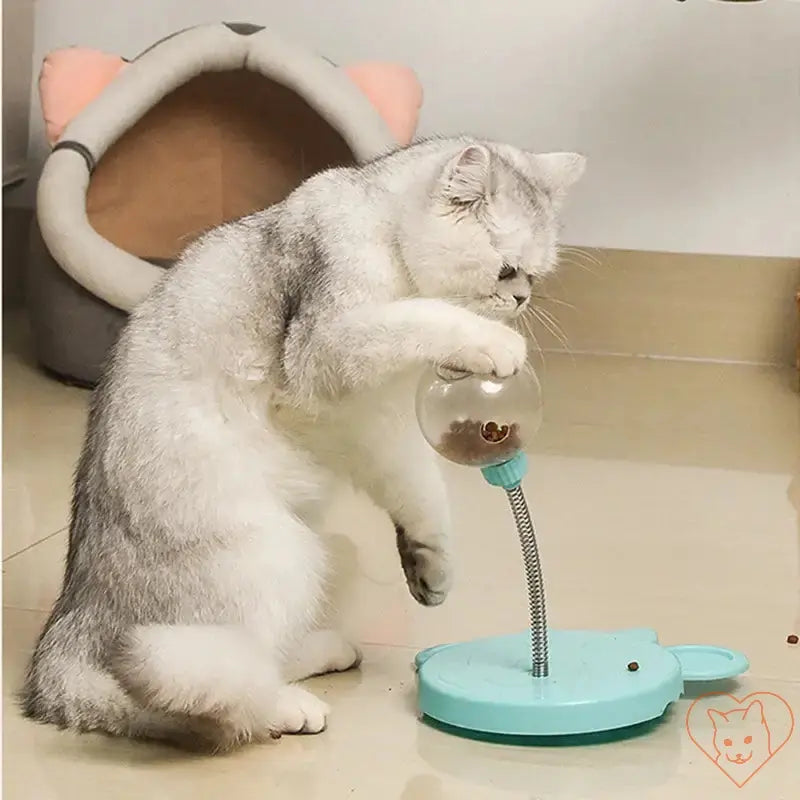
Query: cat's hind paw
point(299, 711)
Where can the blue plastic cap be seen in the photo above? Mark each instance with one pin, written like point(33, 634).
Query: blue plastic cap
point(509, 474)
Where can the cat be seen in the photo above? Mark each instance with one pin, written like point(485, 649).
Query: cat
point(741, 739)
point(278, 356)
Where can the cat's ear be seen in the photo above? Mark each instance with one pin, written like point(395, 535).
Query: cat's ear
point(394, 91)
point(755, 712)
point(467, 178)
point(69, 80)
point(718, 719)
point(559, 171)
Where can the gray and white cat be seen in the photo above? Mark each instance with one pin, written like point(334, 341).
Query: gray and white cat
point(278, 356)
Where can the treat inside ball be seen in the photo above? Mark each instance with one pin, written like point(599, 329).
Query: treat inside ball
point(478, 420)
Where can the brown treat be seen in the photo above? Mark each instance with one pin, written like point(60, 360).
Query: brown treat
point(633, 666)
point(792, 638)
point(478, 443)
point(494, 433)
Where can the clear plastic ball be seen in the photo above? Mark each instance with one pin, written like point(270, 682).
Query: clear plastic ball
point(478, 421)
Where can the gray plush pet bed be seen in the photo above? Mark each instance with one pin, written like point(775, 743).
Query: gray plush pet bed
point(205, 126)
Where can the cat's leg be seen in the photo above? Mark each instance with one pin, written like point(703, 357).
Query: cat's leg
point(220, 680)
point(359, 349)
point(320, 652)
point(392, 463)
point(221, 671)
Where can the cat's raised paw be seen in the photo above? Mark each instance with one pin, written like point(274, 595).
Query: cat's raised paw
point(491, 349)
point(427, 569)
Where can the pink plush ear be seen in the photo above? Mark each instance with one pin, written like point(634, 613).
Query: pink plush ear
point(394, 91)
point(69, 80)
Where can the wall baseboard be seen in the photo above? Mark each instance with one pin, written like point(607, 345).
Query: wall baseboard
point(692, 307)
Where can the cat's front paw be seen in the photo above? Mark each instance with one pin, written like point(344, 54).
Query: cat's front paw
point(489, 349)
point(426, 567)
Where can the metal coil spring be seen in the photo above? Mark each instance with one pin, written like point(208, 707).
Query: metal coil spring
point(540, 665)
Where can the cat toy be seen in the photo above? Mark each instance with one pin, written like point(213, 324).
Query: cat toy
point(540, 682)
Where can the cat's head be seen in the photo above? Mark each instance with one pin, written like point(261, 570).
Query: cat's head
point(741, 734)
point(489, 227)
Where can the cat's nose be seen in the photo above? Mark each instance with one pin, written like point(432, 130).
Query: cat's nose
point(520, 299)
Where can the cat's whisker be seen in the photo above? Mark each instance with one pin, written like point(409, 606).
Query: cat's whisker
point(529, 369)
point(550, 317)
point(580, 258)
point(579, 264)
point(528, 327)
point(557, 327)
point(557, 277)
point(549, 299)
point(585, 257)
point(552, 327)
point(580, 252)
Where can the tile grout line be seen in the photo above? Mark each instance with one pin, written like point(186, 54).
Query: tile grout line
point(35, 544)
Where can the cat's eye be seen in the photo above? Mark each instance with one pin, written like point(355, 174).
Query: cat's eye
point(748, 739)
point(507, 272)
point(728, 742)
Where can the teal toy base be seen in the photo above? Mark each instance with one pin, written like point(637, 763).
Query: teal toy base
point(485, 686)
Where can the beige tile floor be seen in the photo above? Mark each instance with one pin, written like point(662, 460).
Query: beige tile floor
point(666, 494)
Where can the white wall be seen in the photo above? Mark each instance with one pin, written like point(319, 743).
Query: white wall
point(689, 111)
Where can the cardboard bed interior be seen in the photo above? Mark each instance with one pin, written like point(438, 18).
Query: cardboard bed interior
point(220, 146)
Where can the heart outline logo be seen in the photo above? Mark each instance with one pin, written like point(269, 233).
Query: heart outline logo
point(495, 433)
point(761, 721)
